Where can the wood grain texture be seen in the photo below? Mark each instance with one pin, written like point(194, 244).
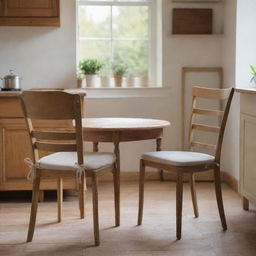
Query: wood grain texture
point(41, 105)
point(192, 21)
point(10, 107)
point(191, 169)
point(119, 124)
point(185, 72)
point(1, 8)
point(118, 130)
point(30, 13)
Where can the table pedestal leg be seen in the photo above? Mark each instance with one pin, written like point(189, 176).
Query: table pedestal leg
point(159, 148)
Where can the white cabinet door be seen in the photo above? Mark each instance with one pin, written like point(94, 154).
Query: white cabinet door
point(248, 157)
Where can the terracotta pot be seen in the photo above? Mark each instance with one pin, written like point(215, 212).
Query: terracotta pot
point(79, 83)
point(118, 80)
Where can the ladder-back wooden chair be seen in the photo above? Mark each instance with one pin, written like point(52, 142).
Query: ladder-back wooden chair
point(67, 158)
point(190, 162)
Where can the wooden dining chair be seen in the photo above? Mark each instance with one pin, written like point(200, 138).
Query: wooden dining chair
point(67, 158)
point(190, 162)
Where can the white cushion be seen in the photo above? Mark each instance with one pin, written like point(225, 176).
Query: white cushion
point(178, 158)
point(67, 161)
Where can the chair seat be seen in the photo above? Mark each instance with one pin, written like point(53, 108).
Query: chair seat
point(67, 161)
point(178, 158)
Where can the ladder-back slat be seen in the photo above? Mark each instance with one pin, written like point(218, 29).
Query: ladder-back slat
point(60, 105)
point(203, 145)
point(209, 93)
point(206, 128)
point(55, 147)
point(208, 112)
point(51, 107)
point(53, 135)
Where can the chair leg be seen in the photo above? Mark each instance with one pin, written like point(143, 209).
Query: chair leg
point(60, 198)
point(246, 204)
point(95, 209)
point(141, 191)
point(193, 194)
point(116, 177)
point(81, 197)
point(179, 199)
point(33, 213)
point(219, 197)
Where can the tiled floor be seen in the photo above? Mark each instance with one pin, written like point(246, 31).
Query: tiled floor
point(202, 236)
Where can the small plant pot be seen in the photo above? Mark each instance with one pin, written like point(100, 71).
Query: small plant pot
point(91, 80)
point(79, 83)
point(142, 81)
point(118, 80)
point(106, 81)
point(129, 82)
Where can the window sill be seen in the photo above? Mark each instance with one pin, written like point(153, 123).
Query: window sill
point(115, 93)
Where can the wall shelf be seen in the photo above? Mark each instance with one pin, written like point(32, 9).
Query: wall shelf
point(196, 1)
point(197, 36)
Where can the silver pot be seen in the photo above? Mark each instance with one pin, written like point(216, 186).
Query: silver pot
point(11, 82)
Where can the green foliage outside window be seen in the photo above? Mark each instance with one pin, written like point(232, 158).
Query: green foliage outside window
point(130, 37)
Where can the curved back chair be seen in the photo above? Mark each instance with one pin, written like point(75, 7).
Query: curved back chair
point(66, 158)
point(190, 162)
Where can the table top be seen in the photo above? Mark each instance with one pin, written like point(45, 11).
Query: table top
point(123, 123)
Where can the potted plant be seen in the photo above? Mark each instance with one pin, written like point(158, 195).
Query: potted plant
point(119, 71)
point(106, 76)
point(79, 80)
point(253, 72)
point(90, 68)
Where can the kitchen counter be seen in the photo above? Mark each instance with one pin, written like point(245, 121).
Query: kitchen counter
point(10, 94)
point(15, 144)
point(246, 90)
point(81, 92)
point(247, 145)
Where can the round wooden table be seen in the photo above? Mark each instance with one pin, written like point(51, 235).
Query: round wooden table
point(118, 130)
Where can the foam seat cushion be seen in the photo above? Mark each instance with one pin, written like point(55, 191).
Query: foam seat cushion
point(178, 158)
point(67, 161)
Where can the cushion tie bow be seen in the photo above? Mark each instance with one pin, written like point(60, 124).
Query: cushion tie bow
point(80, 170)
point(32, 168)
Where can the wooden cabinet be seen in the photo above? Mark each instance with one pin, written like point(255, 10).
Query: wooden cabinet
point(15, 146)
point(29, 13)
point(248, 148)
point(1, 8)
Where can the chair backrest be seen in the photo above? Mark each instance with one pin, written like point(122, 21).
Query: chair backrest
point(53, 106)
point(222, 115)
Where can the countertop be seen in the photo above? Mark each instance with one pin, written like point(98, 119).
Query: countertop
point(81, 92)
point(246, 90)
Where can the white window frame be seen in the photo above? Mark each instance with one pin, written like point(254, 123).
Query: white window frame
point(154, 37)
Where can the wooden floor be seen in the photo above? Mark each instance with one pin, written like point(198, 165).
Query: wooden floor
point(202, 236)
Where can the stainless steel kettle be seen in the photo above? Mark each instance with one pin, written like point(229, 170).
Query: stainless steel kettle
point(11, 82)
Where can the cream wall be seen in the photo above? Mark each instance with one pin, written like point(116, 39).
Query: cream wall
point(45, 57)
point(230, 156)
point(246, 41)
point(238, 53)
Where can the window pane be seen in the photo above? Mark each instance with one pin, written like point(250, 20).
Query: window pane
point(133, 1)
point(130, 21)
point(94, 49)
point(94, 21)
point(134, 54)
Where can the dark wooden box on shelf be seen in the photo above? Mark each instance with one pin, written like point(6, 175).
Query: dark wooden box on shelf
point(30, 13)
point(192, 21)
